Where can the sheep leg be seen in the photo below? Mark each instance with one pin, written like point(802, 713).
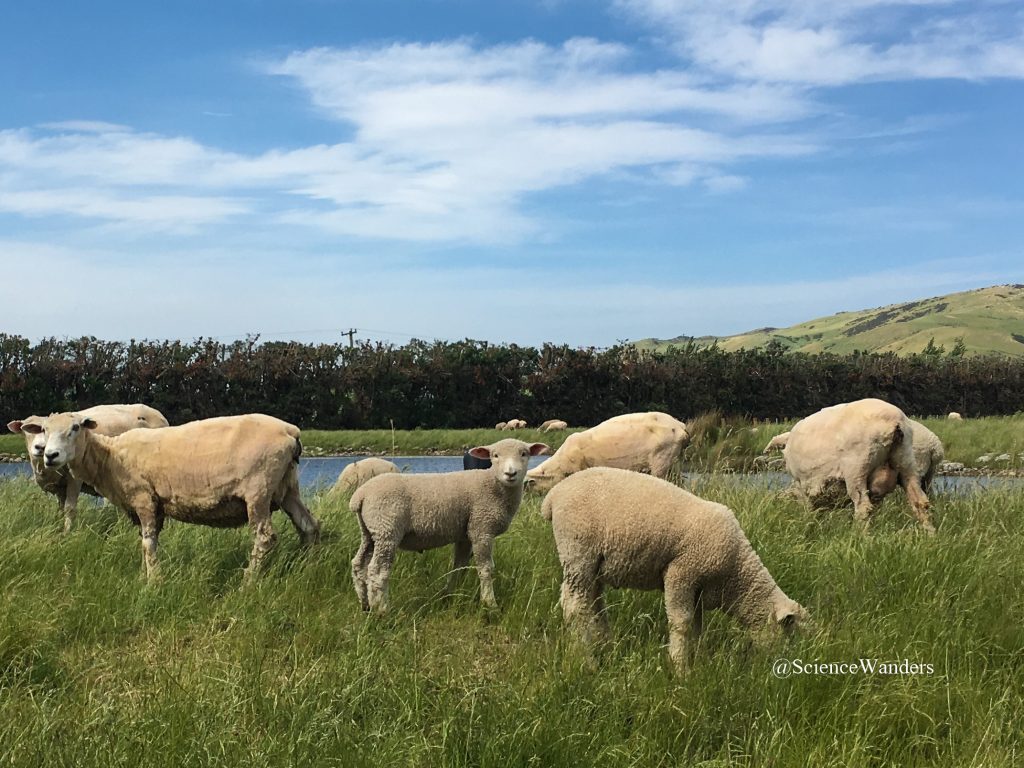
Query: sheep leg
point(307, 526)
point(583, 607)
point(69, 502)
point(680, 606)
point(918, 501)
point(857, 490)
point(482, 554)
point(360, 563)
point(150, 523)
point(264, 537)
point(379, 574)
point(460, 559)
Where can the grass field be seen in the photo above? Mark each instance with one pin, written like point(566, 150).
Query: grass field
point(99, 669)
point(718, 443)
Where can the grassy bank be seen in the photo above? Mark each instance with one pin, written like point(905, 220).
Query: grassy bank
point(98, 669)
point(718, 443)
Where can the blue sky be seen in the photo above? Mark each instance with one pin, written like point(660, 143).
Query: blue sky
point(577, 172)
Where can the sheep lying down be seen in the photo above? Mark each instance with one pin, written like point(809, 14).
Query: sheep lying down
point(616, 528)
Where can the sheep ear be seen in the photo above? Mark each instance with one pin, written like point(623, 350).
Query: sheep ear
point(480, 452)
point(28, 425)
point(15, 426)
point(539, 449)
point(89, 424)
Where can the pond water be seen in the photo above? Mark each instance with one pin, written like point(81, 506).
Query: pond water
point(316, 473)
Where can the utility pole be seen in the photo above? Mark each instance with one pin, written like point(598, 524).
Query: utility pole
point(351, 332)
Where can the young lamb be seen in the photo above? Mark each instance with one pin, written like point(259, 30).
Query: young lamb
point(417, 512)
point(618, 528)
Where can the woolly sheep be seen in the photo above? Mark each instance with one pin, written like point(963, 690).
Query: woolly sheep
point(864, 447)
point(501, 425)
point(358, 472)
point(110, 420)
point(777, 443)
point(222, 472)
point(644, 442)
point(954, 416)
point(551, 426)
point(418, 512)
point(617, 528)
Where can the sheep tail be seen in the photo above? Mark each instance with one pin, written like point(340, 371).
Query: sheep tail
point(356, 504)
point(545, 509)
point(297, 451)
point(897, 436)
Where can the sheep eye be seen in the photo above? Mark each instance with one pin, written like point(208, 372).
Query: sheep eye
point(74, 427)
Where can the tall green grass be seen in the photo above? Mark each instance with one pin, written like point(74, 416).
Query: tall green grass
point(97, 668)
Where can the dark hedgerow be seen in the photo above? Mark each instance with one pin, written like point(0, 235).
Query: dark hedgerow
point(451, 385)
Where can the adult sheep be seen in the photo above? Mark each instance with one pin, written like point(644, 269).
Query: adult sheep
point(615, 528)
point(110, 420)
point(954, 416)
point(358, 472)
point(554, 424)
point(865, 448)
point(222, 472)
point(643, 442)
point(417, 512)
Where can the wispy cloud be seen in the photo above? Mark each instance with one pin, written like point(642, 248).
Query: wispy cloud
point(836, 42)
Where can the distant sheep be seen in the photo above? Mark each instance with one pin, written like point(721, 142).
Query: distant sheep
point(553, 424)
point(358, 472)
point(501, 425)
point(418, 512)
point(110, 420)
point(777, 443)
point(644, 442)
point(954, 416)
point(615, 528)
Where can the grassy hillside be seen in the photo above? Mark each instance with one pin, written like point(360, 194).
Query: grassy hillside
point(990, 320)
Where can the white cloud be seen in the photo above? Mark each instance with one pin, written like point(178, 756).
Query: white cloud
point(804, 42)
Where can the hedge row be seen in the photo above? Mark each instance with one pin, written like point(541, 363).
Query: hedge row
point(472, 383)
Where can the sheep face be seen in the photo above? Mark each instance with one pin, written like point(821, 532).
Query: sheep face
point(35, 440)
point(791, 618)
point(63, 435)
point(509, 459)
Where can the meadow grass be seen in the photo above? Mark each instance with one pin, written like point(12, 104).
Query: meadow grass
point(97, 668)
point(718, 442)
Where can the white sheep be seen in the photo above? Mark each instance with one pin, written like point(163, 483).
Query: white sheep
point(358, 472)
point(954, 416)
point(501, 425)
point(417, 512)
point(110, 420)
point(553, 424)
point(618, 528)
point(222, 472)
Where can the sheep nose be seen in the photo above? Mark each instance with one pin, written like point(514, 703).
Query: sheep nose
point(511, 475)
point(51, 456)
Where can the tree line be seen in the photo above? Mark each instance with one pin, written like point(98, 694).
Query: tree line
point(442, 384)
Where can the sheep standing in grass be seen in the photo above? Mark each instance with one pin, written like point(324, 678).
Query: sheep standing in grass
point(554, 424)
point(418, 512)
point(954, 416)
point(618, 528)
point(358, 472)
point(501, 425)
point(110, 420)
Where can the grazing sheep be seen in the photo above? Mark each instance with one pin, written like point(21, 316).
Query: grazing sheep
point(516, 424)
point(551, 426)
point(221, 472)
point(501, 425)
point(358, 472)
point(644, 442)
point(864, 447)
point(618, 528)
point(777, 443)
point(417, 512)
point(110, 420)
point(954, 416)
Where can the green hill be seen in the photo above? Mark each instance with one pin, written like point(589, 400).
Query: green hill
point(989, 320)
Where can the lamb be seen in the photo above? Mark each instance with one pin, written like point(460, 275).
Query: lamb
point(358, 472)
point(866, 446)
point(954, 416)
point(221, 472)
point(644, 442)
point(616, 528)
point(417, 512)
point(553, 424)
point(111, 420)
